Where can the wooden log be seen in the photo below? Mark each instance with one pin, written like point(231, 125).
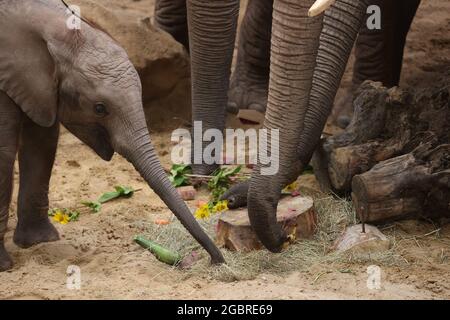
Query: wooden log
point(351, 152)
point(296, 215)
point(409, 186)
point(386, 123)
point(346, 162)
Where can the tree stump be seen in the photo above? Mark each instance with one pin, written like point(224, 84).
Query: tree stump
point(413, 185)
point(354, 240)
point(296, 215)
point(394, 157)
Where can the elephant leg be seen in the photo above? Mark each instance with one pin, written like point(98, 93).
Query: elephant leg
point(212, 34)
point(375, 49)
point(405, 12)
point(250, 79)
point(9, 132)
point(36, 157)
point(379, 53)
point(171, 16)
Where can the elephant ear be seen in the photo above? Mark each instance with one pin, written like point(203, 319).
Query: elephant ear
point(28, 76)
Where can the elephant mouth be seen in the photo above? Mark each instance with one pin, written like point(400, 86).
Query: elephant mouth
point(96, 137)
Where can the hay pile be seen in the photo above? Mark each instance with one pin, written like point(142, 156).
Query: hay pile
point(333, 216)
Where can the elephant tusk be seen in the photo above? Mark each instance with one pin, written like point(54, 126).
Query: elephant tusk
point(320, 6)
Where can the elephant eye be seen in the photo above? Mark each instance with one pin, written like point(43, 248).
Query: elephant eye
point(100, 109)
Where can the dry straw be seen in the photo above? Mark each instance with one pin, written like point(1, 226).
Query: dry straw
point(334, 215)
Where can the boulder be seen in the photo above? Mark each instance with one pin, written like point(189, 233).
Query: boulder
point(162, 63)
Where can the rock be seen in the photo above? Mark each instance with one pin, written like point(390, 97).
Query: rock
point(354, 240)
point(187, 193)
point(162, 63)
point(296, 215)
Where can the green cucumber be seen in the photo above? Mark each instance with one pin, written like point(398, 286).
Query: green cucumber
point(162, 254)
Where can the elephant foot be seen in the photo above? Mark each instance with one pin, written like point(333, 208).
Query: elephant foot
point(30, 234)
point(247, 92)
point(5, 260)
point(237, 195)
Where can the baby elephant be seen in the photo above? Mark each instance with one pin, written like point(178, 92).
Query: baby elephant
point(52, 74)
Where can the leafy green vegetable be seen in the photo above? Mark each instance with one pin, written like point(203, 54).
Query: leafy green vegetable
point(121, 192)
point(178, 175)
point(221, 181)
point(94, 205)
point(74, 215)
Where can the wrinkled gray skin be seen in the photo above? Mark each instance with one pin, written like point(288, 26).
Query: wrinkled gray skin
point(307, 61)
point(171, 16)
point(378, 57)
point(308, 57)
point(50, 74)
point(379, 53)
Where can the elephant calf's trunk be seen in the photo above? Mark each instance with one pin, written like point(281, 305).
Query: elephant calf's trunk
point(144, 159)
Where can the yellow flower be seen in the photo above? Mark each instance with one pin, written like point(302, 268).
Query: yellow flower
point(61, 217)
point(221, 206)
point(203, 212)
point(292, 187)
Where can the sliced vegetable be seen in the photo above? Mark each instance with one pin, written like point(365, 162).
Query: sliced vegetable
point(162, 222)
point(162, 254)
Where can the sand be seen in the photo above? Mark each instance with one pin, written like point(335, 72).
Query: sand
point(112, 266)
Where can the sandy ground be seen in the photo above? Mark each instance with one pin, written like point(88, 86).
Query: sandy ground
point(113, 267)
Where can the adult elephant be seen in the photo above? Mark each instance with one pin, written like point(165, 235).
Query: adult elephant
point(308, 58)
point(309, 52)
point(378, 54)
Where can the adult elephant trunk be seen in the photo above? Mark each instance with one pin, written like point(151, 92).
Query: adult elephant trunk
point(212, 33)
point(295, 41)
point(341, 25)
point(138, 149)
